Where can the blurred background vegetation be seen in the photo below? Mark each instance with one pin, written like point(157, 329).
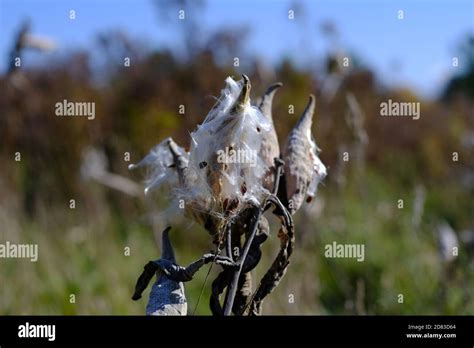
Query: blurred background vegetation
point(81, 250)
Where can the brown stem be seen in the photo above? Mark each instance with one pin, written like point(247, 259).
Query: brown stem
point(232, 290)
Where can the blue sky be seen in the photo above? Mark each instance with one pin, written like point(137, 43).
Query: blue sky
point(421, 45)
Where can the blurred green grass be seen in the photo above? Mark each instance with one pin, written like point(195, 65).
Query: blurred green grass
point(86, 258)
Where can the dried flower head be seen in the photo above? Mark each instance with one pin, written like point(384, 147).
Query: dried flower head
point(223, 172)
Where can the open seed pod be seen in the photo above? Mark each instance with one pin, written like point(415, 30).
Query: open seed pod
point(303, 168)
point(160, 164)
point(223, 172)
point(225, 162)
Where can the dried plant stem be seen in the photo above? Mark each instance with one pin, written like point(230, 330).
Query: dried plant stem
point(240, 262)
point(232, 290)
point(272, 278)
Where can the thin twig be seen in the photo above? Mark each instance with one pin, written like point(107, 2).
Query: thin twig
point(229, 303)
point(240, 262)
point(229, 241)
point(279, 163)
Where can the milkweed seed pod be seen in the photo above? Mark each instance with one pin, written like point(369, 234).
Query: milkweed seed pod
point(225, 166)
point(303, 168)
point(223, 172)
point(270, 147)
point(166, 165)
point(160, 165)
